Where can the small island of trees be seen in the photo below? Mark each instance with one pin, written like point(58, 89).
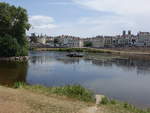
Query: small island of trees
point(13, 27)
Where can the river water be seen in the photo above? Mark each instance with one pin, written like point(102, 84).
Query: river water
point(123, 78)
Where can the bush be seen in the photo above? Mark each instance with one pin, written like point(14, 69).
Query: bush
point(24, 49)
point(9, 47)
point(75, 91)
point(88, 44)
point(113, 102)
point(105, 101)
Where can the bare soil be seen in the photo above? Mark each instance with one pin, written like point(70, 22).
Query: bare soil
point(23, 101)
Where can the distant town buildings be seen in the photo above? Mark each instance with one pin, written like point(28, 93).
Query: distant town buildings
point(70, 41)
point(96, 42)
point(127, 39)
point(58, 41)
point(143, 39)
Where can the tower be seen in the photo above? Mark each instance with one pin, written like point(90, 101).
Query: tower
point(129, 32)
point(124, 33)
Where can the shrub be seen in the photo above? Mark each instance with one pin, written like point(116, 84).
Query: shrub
point(75, 91)
point(24, 49)
point(9, 47)
point(88, 44)
point(19, 85)
point(105, 101)
point(113, 102)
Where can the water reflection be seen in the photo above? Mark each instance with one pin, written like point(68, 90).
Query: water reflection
point(69, 60)
point(11, 72)
point(140, 64)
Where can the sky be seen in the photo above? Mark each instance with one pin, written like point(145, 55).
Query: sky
point(86, 18)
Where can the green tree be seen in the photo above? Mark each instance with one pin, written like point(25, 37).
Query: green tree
point(88, 44)
point(56, 41)
point(34, 38)
point(14, 24)
point(9, 46)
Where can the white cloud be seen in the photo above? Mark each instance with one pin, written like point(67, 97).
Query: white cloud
point(91, 26)
point(86, 26)
point(41, 24)
point(125, 15)
point(110, 25)
point(60, 3)
point(108, 20)
point(117, 6)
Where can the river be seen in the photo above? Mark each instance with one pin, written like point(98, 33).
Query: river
point(123, 78)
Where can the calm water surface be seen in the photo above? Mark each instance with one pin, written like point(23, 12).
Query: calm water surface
point(119, 78)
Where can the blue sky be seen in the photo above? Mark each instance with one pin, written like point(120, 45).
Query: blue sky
point(86, 18)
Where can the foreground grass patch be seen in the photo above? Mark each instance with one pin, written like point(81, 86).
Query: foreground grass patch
point(73, 91)
point(83, 94)
point(120, 107)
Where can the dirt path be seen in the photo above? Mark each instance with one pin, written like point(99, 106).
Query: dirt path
point(22, 101)
point(94, 109)
point(89, 110)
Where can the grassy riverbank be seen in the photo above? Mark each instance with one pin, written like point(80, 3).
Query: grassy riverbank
point(26, 101)
point(68, 99)
point(81, 97)
point(120, 107)
point(94, 50)
point(74, 91)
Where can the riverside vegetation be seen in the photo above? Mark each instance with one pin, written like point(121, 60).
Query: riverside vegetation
point(74, 91)
point(13, 26)
point(80, 93)
point(123, 52)
point(95, 50)
point(92, 50)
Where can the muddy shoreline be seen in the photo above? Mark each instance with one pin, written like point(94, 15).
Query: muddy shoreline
point(20, 58)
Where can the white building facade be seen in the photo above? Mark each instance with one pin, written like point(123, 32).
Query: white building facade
point(69, 41)
point(143, 39)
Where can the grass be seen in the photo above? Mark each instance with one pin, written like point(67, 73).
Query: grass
point(121, 107)
point(80, 93)
point(19, 85)
point(73, 91)
point(95, 50)
point(91, 50)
